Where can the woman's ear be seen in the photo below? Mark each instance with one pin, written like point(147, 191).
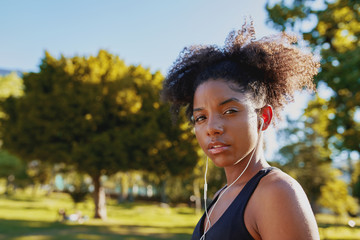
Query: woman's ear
point(266, 113)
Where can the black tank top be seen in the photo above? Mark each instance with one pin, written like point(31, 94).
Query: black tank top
point(231, 224)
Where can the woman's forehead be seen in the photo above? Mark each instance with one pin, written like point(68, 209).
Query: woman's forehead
point(221, 90)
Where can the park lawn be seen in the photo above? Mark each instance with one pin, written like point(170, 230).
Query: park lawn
point(24, 217)
point(333, 227)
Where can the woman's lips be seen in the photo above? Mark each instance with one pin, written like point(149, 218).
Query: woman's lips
point(216, 148)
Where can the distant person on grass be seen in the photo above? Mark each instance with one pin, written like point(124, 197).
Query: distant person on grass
point(231, 95)
point(74, 217)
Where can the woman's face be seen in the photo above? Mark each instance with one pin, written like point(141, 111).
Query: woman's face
point(226, 124)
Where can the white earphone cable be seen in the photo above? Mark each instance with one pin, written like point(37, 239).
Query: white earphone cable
point(205, 190)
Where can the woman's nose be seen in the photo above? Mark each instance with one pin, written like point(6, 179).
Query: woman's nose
point(215, 126)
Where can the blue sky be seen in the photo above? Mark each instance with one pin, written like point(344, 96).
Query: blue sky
point(146, 32)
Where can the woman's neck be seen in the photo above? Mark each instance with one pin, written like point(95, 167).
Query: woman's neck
point(257, 163)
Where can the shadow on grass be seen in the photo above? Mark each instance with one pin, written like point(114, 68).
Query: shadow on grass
point(31, 230)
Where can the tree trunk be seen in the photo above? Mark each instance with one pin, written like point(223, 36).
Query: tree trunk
point(99, 198)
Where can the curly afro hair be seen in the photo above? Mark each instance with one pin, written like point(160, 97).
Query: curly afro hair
point(272, 69)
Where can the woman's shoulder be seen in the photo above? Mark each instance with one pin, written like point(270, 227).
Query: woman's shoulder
point(281, 190)
point(280, 182)
point(280, 201)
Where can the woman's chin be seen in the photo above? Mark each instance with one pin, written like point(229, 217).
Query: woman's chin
point(222, 163)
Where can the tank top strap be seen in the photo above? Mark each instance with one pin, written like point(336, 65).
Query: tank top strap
point(250, 187)
point(242, 200)
point(232, 225)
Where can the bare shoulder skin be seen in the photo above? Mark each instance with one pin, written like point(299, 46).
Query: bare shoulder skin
point(279, 210)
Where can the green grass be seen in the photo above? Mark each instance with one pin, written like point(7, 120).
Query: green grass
point(333, 227)
point(23, 217)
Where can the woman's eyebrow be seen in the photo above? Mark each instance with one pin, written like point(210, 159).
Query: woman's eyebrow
point(233, 99)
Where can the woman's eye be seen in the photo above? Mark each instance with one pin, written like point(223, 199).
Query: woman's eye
point(230, 111)
point(200, 118)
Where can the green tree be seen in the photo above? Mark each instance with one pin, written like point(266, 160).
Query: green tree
point(40, 173)
point(96, 114)
point(174, 154)
point(9, 167)
point(356, 182)
point(306, 155)
point(334, 31)
point(335, 196)
point(11, 85)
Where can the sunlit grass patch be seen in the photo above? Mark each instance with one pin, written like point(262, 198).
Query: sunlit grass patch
point(33, 237)
point(25, 217)
point(340, 233)
point(336, 227)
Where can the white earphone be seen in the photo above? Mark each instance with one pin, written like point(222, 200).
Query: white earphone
point(262, 122)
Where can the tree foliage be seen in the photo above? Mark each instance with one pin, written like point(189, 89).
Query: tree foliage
point(356, 182)
point(306, 155)
point(335, 196)
point(9, 164)
point(11, 85)
point(336, 36)
point(98, 115)
point(333, 30)
point(14, 171)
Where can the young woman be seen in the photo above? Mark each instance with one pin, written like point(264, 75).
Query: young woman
point(233, 94)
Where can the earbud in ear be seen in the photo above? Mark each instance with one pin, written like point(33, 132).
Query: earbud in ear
point(262, 121)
